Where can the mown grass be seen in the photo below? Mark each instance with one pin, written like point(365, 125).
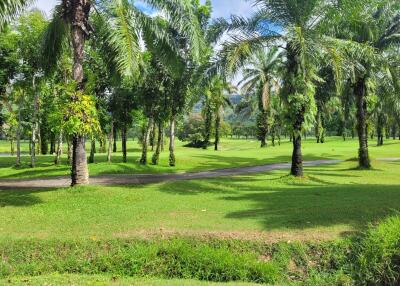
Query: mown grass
point(233, 153)
point(103, 235)
point(330, 202)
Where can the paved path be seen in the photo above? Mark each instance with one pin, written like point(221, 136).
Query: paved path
point(126, 179)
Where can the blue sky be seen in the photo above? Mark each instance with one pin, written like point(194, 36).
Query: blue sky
point(222, 8)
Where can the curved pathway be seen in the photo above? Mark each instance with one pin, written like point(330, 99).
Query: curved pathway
point(127, 179)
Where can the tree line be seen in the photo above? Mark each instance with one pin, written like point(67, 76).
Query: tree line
point(96, 68)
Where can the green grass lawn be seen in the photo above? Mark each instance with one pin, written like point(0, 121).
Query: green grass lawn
point(333, 200)
point(233, 153)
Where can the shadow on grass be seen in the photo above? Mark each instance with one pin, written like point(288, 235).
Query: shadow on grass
point(296, 205)
point(19, 198)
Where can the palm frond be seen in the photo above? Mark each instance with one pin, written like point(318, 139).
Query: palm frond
point(10, 8)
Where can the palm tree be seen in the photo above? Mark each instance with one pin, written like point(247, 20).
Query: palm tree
point(259, 76)
point(119, 26)
point(366, 30)
point(297, 33)
point(218, 99)
point(10, 8)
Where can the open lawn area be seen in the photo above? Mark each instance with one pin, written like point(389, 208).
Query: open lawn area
point(233, 153)
point(267, 228)
point(331, 201)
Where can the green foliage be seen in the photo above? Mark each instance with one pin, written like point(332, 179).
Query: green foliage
point(77, 113)
point(175, 258)
point(377, 258)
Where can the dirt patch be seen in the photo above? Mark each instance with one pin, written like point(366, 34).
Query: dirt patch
point(263, 236)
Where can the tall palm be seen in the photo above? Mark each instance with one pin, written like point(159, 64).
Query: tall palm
point(259, 77)
point(218, 99)
point(366, 29)
point(297, 33)
point(120, 26)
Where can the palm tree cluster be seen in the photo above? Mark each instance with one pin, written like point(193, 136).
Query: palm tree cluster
point(99, 70)
point(323, 46)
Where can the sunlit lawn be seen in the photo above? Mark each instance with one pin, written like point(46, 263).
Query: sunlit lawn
point(331, 201)
point(233, 153)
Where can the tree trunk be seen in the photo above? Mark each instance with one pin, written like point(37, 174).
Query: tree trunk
point(162, 139)
point(79, 16)
point(44, 144)
point(57, 161)
point(172, 161)
point(69, 156)
point(110, 143)
point(123, 139)
point(19, 137)
point(156, 157)
point(52, 143)
point(92, 150)
point(297, 157)
point(318, 125)
point(207, 126)
point(360, 93)
point(114, 139)
point(146, 138)
point(217, 126)
point(12, 147)
point(153, 136)
point(34, 123)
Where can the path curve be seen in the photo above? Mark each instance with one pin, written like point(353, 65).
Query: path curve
point(127, 179)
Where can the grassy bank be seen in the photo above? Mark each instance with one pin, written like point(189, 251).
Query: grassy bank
point(369, 259)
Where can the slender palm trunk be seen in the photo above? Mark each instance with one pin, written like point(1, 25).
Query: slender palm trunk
point(19, 136)
point(172, 161)
point(52, 144)
point(34, 124)
point(110, 143)
point(124, 139)
point(146, 139)
point(162, 139)
point(217, 127)
point(361, 104)
point(207, 125)
point(57, 161)
point(80, 10)
point(156, 157)
point(92, 150)
point(262, 120)
point(69, 155)
point(12, 146)
point(114, 139)
point(153, 136)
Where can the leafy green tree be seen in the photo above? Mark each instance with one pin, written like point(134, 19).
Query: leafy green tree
point(31, 27)
point(120, 24)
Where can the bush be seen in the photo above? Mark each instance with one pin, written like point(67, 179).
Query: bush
point(377, 260)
